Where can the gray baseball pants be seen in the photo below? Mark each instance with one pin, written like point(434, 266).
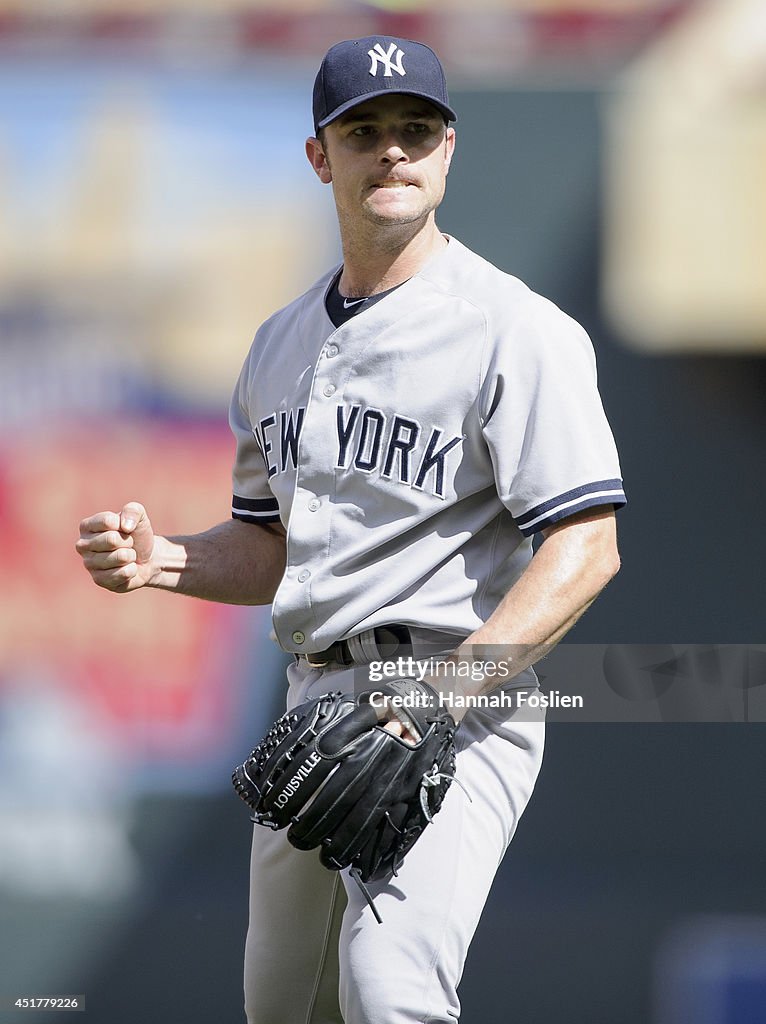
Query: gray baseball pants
point(316, 955)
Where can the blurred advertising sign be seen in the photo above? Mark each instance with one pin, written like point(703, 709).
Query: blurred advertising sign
point(159, 672)
point(150, 218)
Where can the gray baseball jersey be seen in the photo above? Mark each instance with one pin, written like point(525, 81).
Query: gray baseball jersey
point(413, 452)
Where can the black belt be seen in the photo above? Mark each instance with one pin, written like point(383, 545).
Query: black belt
point(390, 641)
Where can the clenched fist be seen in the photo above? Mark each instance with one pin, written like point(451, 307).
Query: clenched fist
point(117, 547)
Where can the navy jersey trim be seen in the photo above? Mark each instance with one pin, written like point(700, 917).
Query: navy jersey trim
point(600, 492)
point(340, 309)
point(255, 510)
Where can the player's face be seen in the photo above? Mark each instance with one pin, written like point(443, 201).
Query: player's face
point(387, 160)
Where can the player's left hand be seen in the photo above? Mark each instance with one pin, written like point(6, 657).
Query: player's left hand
point(400, 727)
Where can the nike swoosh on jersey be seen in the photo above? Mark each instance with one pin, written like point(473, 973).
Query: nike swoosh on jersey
point(348, 303)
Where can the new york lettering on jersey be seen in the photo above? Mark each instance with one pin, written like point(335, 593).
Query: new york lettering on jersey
point(369, 440)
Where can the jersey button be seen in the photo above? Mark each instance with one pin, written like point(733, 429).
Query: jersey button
point(303, 576)
point(298, 637)
point(314, 504)
point(329, 390)
point(332, 350)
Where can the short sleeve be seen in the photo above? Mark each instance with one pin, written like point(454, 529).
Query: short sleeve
point(551, 445)
point(252, 501)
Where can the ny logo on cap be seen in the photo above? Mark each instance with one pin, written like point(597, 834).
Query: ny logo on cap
point(378, 56)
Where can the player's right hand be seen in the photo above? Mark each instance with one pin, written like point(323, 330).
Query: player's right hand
point(117, 547)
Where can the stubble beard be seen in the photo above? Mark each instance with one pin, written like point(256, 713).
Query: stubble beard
point(406, 222)
point(373, 231)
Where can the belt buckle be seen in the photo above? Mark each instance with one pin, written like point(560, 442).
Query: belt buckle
point(312, 659)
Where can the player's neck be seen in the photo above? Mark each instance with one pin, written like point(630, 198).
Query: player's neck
point(386, 259)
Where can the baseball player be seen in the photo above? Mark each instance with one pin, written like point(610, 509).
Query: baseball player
point(404, 430)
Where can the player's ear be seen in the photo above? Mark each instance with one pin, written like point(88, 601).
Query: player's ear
point(318, 160)
point(449, 148)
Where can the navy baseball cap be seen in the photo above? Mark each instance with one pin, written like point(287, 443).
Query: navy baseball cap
point(358, 69)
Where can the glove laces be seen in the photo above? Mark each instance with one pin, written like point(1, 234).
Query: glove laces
point(428, 782)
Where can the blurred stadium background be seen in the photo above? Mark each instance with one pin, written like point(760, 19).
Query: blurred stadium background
point(154, 207)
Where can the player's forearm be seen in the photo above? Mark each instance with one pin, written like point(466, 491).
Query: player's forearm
point(233, 563)
point(567, 573)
